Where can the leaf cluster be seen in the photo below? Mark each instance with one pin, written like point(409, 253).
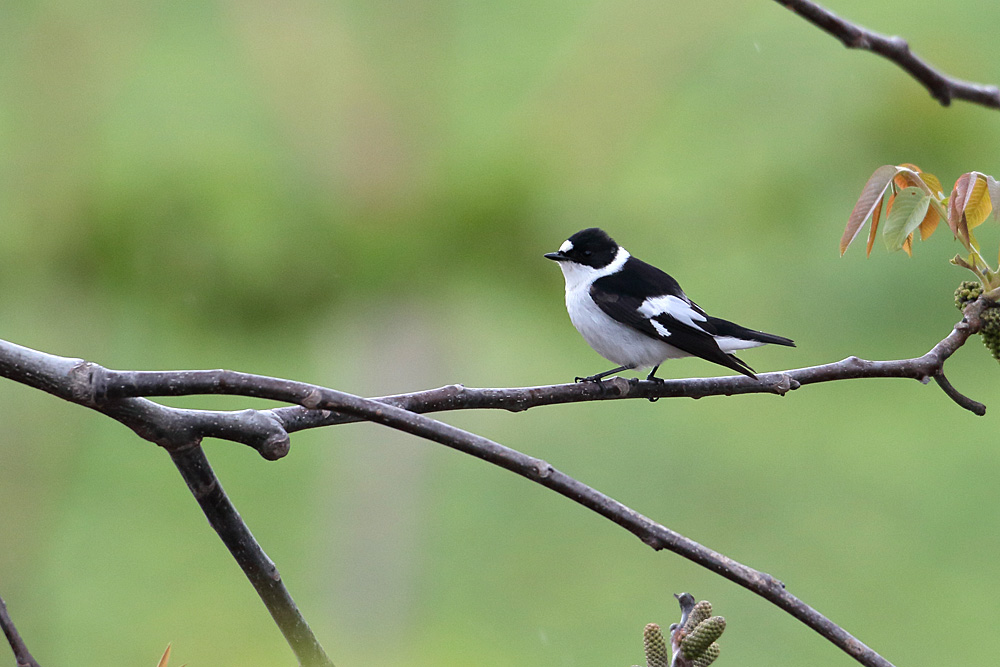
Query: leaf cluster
point(910, 200)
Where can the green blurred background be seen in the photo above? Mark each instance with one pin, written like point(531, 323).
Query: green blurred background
point(358, 194)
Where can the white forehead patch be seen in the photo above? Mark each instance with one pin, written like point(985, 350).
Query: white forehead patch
point(566, 246)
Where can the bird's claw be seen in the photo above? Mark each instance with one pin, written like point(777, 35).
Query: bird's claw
point(657, 381)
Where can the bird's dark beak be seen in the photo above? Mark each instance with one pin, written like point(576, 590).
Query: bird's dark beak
point(556, 256)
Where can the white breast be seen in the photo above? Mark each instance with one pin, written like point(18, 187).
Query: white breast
point(611, 339)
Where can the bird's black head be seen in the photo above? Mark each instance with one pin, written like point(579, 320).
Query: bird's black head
point(590, 247)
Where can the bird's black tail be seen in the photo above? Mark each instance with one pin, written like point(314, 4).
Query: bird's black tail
point(737, 364)
point(727, 328)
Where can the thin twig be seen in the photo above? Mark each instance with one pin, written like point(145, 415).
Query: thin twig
point(941, 87)
point(21, 653)
point(960, 398)
point(258, 568)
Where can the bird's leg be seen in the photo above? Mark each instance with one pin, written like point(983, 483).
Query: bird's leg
point(600, 376)
point(652, 378)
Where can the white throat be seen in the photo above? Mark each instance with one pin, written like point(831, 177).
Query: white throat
point(582, 276)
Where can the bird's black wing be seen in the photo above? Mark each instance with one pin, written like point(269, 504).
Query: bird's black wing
point(622, 294)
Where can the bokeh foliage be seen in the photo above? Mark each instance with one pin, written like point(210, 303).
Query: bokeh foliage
point(358, 194)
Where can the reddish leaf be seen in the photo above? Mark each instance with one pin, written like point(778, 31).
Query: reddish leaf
point(956, 207)
point(929, 223)
point(910, 175)
point(974, 243)
point(165, 659)
point(871, 197)
point(906, 175)
point(876, 214)
point(908, 245)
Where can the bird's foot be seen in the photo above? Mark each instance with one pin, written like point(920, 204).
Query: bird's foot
point(601, 376)
point(657, 381)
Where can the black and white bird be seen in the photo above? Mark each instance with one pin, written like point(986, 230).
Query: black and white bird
point(636, 315)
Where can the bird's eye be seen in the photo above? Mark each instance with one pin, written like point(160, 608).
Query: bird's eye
point(587, 253)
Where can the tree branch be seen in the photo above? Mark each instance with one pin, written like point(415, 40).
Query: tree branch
point(457, 397)
point(102, 389)
point(941, 87)
point(258, 568)
point(118, 394)
point(651, 533)
point(78, 381)
point(180, 432)
point(21, 653)
point(963, 400)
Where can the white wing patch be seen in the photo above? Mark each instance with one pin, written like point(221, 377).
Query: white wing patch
point(660, 329)
point(676, 307)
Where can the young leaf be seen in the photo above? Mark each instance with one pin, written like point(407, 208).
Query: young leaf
point(993, 188)
point(165, 659)
point(907, 175)
point(934, 184)
point(908, 245)
point(910, 174)
point(978, 206)
point(930, 222)
point(907, 213)
point(956, 207)
point(876, 214)
point(871, 196)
